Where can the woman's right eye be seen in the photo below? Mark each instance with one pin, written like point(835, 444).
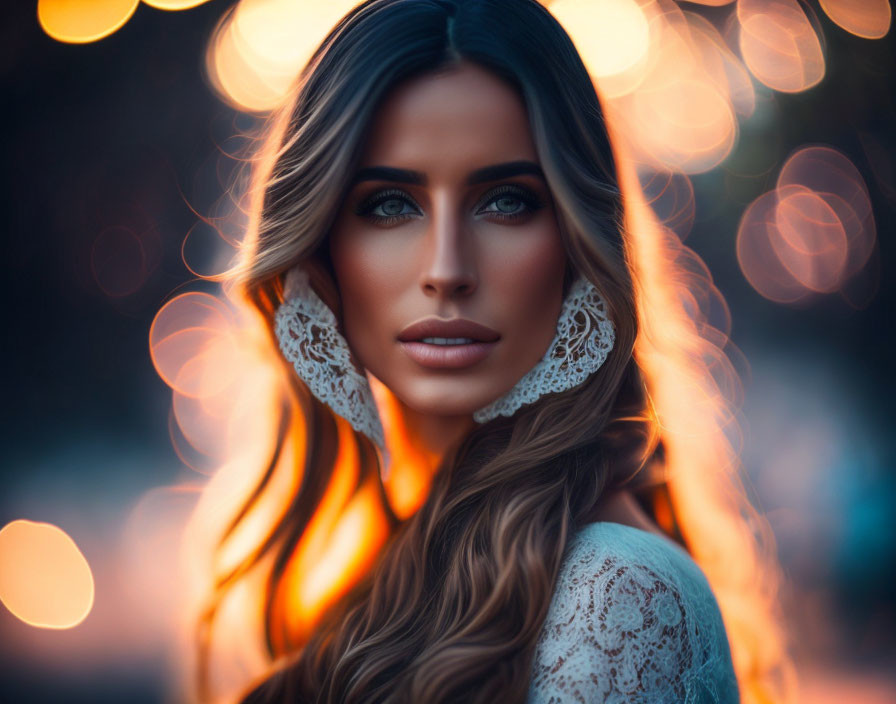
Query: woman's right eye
point(387, 208)
point(390, 208)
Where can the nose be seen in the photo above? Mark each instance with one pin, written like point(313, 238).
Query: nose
point(449, 270)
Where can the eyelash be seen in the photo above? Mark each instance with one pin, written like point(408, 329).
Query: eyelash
point(524, 195)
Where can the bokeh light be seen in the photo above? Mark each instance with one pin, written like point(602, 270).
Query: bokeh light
point(864, 18)
point(173, 4)
point(812, 243)
point(837, 181)
point(722, 66)
point(812, 232)
point(757, 257)
point(613, 35)
point(671, 197)
point(83, 21)
point(675, 102)
point(259, 48)
point(187, 328)
point(44, 579)
point(779, 44)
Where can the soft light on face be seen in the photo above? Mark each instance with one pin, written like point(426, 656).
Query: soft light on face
point(449, 219)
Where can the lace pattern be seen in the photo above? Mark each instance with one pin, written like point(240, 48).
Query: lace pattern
point(584, 338)
point(632, 621)
point(308, 335)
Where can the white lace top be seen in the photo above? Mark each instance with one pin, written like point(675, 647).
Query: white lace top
point(632, 620)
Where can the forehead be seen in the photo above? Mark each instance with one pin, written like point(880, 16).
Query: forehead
point(454, 121)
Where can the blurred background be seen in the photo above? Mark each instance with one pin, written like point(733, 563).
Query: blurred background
point(121, 124)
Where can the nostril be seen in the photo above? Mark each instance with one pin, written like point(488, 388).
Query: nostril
point(459, 285)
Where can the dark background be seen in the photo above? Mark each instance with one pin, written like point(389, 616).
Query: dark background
point(125, 133)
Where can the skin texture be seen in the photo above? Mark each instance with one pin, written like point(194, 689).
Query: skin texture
point(449, 253)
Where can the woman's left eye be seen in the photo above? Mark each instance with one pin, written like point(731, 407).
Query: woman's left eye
point(510, 203)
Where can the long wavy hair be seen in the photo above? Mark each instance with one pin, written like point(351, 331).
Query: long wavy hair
point(450, 603)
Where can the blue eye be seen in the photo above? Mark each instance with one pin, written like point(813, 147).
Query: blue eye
point(388, 207)
point(508, 203)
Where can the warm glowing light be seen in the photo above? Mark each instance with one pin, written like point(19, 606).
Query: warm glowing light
point(812, 244)
point(779, 44)
point(339, 543)
point(723, 68)
point(236, 80)
point(812, 232)
point(864, 18)
point(836, 180)
point(694, 388)
point(410, 469)
point(353, 543)
point(82, 21)
point(202, 422)
point(174, 4)
point(671, 197)
point(610, 35)
point(44, 579)
point(188, 331)
point(679, 115)
point(694, 128)
point(259, 49)
point(757, 256)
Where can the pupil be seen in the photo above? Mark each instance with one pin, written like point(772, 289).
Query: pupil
point(507, 204)
point(392, 207)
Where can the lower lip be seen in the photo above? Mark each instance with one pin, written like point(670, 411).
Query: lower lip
point(447, 356)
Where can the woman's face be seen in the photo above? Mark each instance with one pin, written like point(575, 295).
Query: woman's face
point(447, 252)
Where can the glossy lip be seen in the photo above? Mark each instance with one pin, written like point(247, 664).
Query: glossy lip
point(447, 356)
point(456, 327)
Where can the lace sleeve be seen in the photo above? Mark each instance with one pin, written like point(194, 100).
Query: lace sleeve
point(621, 630)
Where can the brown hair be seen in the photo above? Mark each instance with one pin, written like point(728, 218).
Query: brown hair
point(452, 604)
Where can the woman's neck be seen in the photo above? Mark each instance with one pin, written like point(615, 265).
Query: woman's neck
point(620, 506)
point(437, 434)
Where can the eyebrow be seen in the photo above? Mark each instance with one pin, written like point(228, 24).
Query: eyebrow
point(483, 175)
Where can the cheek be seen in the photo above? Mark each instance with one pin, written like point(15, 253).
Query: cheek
point(369, 273)
point(529, 277)
point(368, 255)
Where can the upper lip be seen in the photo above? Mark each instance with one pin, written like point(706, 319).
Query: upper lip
point(456, 327)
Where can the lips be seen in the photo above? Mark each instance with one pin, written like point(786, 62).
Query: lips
point(447, 356)
point(457, 327)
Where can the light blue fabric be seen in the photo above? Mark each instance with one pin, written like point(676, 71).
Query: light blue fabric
point(632, 620)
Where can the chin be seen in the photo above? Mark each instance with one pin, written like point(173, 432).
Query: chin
point(446, 398)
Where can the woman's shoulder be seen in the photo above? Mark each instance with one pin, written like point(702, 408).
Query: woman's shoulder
point(632, 619)
point(599, 548)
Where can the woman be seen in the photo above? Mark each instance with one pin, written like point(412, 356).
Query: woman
point(440, 252)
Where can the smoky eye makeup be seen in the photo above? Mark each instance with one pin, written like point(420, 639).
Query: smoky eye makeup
point(507, 202)
point(367, 205)
point(510, 201)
